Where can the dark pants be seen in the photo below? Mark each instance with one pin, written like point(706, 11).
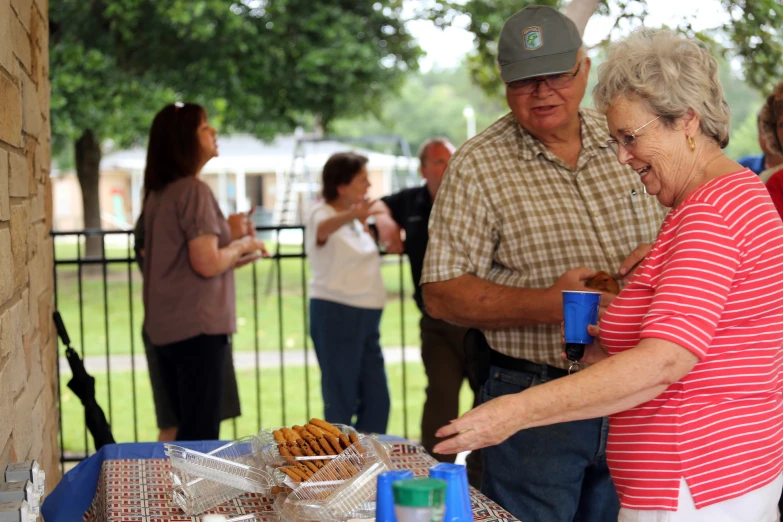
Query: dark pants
point(163, 412)
point(552, 473)
point(447, 367)
point(193, 374)
point(353, 375)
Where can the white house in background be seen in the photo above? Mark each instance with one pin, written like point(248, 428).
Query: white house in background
point(247, 172)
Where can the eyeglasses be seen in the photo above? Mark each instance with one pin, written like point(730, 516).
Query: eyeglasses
point(628, 141)
point(553, 81)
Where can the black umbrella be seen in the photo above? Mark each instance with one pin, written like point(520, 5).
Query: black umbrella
point(83, 385)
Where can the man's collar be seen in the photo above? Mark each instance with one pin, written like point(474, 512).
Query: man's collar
point(593, 130)
point(530, 147)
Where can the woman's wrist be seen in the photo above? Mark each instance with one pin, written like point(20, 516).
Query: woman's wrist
point(239, 248)
point(235, 253)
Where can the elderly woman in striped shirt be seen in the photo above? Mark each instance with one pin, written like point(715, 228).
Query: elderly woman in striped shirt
point(691, 351)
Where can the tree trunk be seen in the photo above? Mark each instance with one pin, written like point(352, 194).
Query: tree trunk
point(88, 161)
point(580, 12)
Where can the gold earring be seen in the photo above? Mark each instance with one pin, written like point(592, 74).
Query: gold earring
point(692, 143)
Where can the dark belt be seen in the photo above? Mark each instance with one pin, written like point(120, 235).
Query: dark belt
point(522, 365)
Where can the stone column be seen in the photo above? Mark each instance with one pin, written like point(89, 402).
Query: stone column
point(28, 348)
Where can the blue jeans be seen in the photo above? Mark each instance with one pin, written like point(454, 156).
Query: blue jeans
point(552, 473)
point(353, 376)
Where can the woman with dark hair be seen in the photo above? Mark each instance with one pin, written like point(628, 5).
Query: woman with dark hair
point(347, 297)
point(164, 415)
point(190, 252)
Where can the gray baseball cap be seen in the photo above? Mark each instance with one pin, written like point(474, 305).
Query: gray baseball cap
point(536, 41)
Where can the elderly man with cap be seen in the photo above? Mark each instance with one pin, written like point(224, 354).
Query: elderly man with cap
point(532, 206)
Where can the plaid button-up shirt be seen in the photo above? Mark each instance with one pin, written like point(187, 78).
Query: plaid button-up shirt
point(511, 212)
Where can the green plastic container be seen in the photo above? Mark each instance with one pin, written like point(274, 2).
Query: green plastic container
point(419, 500)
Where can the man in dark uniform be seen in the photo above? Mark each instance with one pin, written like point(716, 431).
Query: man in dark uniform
point(442, 349)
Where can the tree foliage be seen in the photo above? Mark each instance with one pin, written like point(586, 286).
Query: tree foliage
point(430, 104)
point(753, 36)
point(756, 38)
point(260, 65)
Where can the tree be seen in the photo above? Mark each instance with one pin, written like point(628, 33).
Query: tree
point(753, 35)
point(93, 98)
point(259, 66)
point(428, 105)
point(755, 32)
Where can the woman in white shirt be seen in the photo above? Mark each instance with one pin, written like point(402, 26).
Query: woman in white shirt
point(346, 298)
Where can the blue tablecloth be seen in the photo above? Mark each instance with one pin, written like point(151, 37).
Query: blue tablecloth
point(73, 495)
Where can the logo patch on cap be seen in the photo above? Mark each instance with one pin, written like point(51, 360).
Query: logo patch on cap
point(533, 39)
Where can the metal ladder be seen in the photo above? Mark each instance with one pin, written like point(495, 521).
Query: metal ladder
point(293, 184)
point(299, 184)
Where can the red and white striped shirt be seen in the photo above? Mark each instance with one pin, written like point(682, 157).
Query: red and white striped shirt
point(713, 284)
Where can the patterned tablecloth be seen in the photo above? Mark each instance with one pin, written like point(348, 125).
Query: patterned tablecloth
point(137, 490)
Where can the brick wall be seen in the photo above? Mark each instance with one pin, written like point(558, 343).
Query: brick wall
point(28, 348)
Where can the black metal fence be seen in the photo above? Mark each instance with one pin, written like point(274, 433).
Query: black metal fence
point(99, 297)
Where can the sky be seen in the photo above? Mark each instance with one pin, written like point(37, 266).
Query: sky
point(445, 48)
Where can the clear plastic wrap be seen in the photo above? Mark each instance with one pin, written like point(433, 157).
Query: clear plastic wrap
point(196, 495)
point(237, 465)
point(343, 489)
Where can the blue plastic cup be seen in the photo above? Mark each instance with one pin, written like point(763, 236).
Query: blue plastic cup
point(384, 499)
point(580, 309)
point(457, 495)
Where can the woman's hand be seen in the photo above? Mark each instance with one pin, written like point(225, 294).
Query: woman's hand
point(594, 352)
point(251, 245)
point(251, 250)
point(208, 260)
point(247, 259)
point(241, 225)
point(632, 262)
point(486, 425)
point(362, 210)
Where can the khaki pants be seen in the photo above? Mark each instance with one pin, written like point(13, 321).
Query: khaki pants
point(447, 367)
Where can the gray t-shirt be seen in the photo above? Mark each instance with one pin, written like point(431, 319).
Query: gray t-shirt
point(179, 303)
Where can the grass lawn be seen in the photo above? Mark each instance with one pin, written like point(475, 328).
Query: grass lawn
point(267, 413)
point(106, 318)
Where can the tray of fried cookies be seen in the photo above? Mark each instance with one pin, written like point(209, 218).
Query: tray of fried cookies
point(305, 448)
point(344, 488)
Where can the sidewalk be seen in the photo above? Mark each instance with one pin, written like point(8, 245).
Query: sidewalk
point(242, 360)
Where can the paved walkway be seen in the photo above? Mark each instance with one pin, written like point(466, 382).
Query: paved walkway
point(242, 360)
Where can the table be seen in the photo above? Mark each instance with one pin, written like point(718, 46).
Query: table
point(130, 483)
